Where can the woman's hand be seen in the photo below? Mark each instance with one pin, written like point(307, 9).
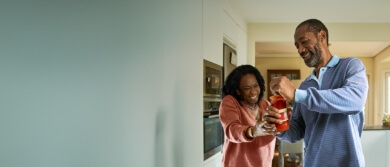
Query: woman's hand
point(263, 128)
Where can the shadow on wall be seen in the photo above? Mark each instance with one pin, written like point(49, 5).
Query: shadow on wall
point(170, 127)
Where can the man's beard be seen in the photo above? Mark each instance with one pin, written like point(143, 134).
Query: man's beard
point(315, 56)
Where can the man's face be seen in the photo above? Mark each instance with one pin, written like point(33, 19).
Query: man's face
point(308, 46)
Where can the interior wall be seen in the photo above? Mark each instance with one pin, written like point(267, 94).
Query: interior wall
point(101, 83)
point(370, 71)
point(382, 65)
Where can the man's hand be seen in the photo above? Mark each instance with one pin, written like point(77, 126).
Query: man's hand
point(272, 117)
point(283, 86)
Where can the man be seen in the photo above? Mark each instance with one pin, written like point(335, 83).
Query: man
point(328, 105)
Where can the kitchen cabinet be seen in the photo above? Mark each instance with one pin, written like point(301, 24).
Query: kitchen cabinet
point(242, 47)
point(214, 161)
point(229, 27)
point(212, 33)
point(219, 27)
point(376, 146)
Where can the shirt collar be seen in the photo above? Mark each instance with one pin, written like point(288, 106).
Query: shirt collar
point(333, 62)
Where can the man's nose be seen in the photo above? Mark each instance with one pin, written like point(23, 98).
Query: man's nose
point(301, 49)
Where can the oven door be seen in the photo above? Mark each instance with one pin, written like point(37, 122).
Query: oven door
point(213, 134)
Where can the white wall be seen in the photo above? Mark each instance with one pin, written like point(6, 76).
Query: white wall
point(101, 83)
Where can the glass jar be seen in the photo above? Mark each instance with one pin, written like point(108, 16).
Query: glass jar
point(280, 103)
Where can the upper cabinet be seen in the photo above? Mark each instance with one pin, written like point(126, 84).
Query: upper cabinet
point(229, 27)
point(242, 47)
point(221, 24)
point(212, 34)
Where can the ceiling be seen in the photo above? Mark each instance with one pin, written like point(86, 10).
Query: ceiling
point(294, 11)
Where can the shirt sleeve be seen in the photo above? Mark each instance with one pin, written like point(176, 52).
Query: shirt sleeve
point(230, 116)
point(349, 98)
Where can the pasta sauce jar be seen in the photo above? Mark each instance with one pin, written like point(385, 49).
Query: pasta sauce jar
point(279, 102)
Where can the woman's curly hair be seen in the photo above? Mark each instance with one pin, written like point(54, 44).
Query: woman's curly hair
point(232, 82)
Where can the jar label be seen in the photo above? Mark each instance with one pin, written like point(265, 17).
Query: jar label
point(283, 114)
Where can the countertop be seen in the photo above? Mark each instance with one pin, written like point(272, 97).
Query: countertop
point(376, 127)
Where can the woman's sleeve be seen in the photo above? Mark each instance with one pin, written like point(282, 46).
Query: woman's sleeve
point(229, 115)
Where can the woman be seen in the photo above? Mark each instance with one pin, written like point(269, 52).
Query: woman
point(247, 141)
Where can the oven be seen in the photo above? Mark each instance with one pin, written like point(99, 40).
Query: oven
point(213, 135)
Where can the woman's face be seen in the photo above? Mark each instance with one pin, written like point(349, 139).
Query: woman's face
point(249, 89)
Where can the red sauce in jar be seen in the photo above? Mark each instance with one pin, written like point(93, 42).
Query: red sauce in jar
point(280, 103)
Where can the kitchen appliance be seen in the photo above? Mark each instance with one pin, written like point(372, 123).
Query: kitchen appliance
point(212, 84)
point(213, 131)
point(212, 128)
point(214, 77)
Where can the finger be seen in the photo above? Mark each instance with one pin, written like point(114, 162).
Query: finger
point(265, 127)
point(273, 132)
point(260, 124)
point(268, 130)
point(264, 116)
point(273, 86)
point(269, 126)
point(279, 91)
point(274, 114)
point(276, 90)
point(289, 114)
point(273, 109)
point(276, 93)
point(272, 120)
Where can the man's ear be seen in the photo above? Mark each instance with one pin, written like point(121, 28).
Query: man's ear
point(322, 36)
